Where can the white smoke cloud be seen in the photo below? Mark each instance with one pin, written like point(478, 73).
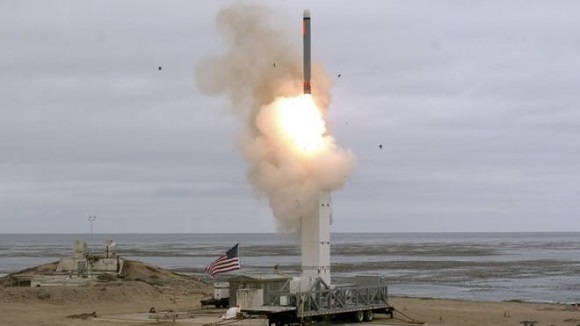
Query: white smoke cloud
point(260, 67)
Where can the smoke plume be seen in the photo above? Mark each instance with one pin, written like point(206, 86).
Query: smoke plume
point(261, 68)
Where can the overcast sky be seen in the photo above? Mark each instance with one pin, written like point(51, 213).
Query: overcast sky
point(463, 116)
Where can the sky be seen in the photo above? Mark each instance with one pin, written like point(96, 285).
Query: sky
point(462, 116)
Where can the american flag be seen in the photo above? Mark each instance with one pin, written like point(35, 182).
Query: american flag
point(228, 262)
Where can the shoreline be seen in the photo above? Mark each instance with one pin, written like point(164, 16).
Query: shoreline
point(147, 288)
point(491, 267)
point(407, 296)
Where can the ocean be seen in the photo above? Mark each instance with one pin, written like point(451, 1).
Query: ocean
point(537, 267)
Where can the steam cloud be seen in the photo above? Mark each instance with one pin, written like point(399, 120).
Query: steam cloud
point(260, 67)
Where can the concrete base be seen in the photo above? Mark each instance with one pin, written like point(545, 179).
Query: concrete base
point(103, 265)
point(58, 280)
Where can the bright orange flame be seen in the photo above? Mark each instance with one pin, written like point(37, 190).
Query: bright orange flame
point(301, 122)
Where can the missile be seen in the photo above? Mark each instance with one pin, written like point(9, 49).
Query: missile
point(306, 38)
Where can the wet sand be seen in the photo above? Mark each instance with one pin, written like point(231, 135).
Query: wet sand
point(477, 313)
point(30, 306)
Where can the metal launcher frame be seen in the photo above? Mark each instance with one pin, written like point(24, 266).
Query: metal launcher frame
point(284, 307)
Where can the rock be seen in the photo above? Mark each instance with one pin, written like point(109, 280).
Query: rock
point(43, 294)
point(84, 316)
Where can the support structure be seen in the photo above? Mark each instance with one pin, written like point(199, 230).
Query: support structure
point(315, 233)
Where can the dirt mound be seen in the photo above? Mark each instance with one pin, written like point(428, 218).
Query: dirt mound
point(133, 270)
point(138, 271)
point(138, 281)
point(112, 292)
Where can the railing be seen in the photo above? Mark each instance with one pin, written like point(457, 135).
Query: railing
point(322, 299)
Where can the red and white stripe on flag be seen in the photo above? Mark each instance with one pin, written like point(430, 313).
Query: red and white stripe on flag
point(228, 262)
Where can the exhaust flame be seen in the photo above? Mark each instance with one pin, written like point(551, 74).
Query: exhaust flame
point(290, 153)
point(301, 122)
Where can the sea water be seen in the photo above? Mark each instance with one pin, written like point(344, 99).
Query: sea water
point(540, 267)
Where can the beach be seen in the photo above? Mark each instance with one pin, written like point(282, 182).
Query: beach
point(481, 279)
point(66, 306)
point(30, 306)
point(542, 267)
point(479, 313)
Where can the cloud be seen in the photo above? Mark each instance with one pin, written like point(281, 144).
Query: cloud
point(474, 105)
